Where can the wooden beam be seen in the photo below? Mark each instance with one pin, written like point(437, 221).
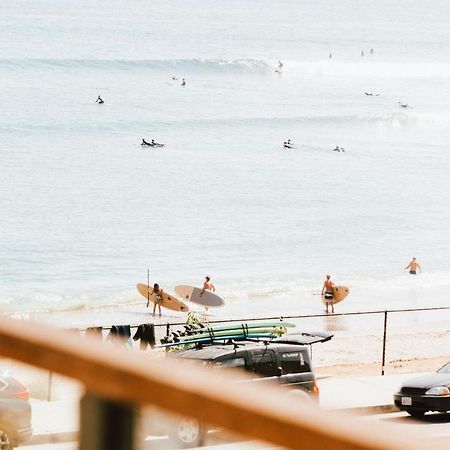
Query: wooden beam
point(208, 395)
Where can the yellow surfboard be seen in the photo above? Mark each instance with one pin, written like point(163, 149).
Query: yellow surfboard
point(168, 300)
point(339, 294)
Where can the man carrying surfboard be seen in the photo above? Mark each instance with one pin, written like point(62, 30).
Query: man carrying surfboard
point(328, 290)
point(413, 266)
point(207, 286)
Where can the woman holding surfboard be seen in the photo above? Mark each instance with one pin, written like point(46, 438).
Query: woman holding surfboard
point(158, 298)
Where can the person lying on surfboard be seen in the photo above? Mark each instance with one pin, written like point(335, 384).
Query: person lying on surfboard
point(158, 298)
point(156, 144)
point(328, 289)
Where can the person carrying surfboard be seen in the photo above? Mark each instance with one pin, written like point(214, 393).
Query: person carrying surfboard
point(328, 289)
point(207, 286)
point(158, 299)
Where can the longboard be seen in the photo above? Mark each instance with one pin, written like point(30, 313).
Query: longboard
point(237, 326)
point(206, 339)
point(192, 293)
point(168, 301)
point(339, 294)
point(219, 334)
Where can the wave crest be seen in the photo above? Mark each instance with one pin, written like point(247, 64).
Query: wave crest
point(249, 65)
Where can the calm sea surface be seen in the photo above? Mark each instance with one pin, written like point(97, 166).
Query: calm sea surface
point(85, 210)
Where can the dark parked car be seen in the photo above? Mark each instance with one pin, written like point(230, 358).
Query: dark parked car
point(425, 393)
point(284, 361)
point(15, 413)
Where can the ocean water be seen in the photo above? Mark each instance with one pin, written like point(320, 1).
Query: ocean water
point(85, 210)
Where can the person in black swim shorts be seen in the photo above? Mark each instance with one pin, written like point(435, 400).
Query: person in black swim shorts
point(327, 289)
point(413, 266)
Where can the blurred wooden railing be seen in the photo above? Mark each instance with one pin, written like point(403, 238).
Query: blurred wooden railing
point(117, 382)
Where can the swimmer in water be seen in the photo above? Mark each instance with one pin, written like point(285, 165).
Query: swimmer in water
point(183, 83)
point(413, 266)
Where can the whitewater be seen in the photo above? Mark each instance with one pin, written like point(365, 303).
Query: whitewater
point(86, 210)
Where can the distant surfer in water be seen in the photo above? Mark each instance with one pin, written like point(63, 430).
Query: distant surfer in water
point(288, 144)
point(156, 144)
point(328, 290)
point(413, 266)
point(158, 298)
point(338, 149)
point(280, 65)
point(99, 100)
point(183, 82)
point(403, 105)
point(144, 142)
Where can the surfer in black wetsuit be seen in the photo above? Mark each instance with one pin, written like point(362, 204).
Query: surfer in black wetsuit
point(99, 100)
point(156, 144)
point(183, 83)
point(144, 142)
point(288, 144)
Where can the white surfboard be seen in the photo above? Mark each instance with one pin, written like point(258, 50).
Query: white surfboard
point(192, 293)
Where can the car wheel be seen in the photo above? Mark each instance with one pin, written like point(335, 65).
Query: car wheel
point(189, 433)
point(6, 442)
point(416, 413)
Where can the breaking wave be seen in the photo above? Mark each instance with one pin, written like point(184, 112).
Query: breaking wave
point(254, 66)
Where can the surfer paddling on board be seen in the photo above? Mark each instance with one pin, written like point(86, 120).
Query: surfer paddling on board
point(328, 290)
point(99, 100)
point(413, 266)
point(158, 298)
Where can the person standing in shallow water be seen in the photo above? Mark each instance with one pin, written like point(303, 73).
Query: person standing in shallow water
point(328, 290)
point(413, 266)
point(158, 298)
point(207, 286)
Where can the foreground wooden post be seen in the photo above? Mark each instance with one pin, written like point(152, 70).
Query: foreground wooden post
point(106, 425)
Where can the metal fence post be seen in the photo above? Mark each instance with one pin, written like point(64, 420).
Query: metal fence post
point(383, 360)
point(106, 425)
point(49, 389)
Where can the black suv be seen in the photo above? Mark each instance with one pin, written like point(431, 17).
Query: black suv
point(288, 364)
point(285, 361)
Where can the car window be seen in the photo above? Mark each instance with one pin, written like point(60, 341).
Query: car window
point(235, 362)
point(264, 363)
point(294, 362)
point(445, 369)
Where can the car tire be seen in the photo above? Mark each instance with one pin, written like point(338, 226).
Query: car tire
point(6, 440)
point(416, 413)
point(189, 433)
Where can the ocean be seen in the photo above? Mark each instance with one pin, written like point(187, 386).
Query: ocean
point(86, 210)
